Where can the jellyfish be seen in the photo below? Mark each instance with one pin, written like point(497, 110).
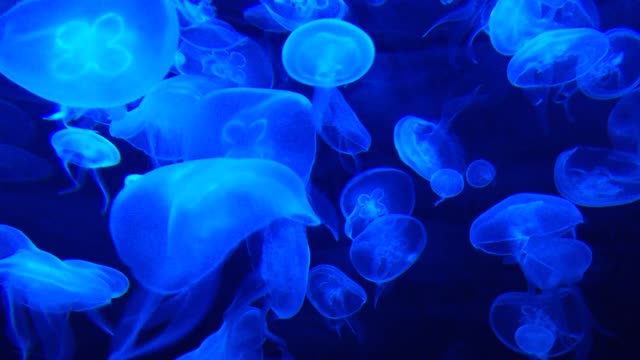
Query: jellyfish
point(549, 262)
point(387, 248)
point(505, 228)
point(88, 54)
point(480, 173)
point(623, 126)
point(557, 57)
point(334, 295)
point(195, 12)
point(87, 150)
point(259, 16)
point(597, 177)
point(179, 222)
point(41, 290)
point(292, 14)
point(446, 183)
point(375, 193)
point(21, 166)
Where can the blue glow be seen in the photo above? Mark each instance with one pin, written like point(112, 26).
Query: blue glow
point(480, 173)
point(623, 126)
point(446, 183)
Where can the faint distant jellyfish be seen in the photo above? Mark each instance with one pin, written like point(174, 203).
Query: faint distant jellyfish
point(623, 126)
point(16, 126)
point(259, 16)
point(87, 150)
point(375, 193)
point(387, 248)
point(91, 54)
point(597, 177)
point(292, 14)
point(21, 166)
point(556, 57)
point(507, 226)
point(480, 173)
point(446, 183)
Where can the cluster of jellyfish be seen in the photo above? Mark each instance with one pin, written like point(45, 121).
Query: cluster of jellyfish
point(196, 96)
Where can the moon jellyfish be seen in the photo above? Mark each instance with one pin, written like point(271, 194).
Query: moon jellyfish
point(21, 166)
point(536, 340)
point(375, 193)
point(292, 14)
point(87, 150)
point(334, 295)
point(618, 73)
point(480, 173)
point(179, 222)
point(597, 177)
point(553, 261)
point(623, 126)
point(446, 183)
point(506, 226)
point(387, 248)
point(259, 16)
point(88, 54)
point(327, 53)
point(195, 12)
point(557, 57)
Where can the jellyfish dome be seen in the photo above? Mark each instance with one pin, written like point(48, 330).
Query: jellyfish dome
point(327, 53)
point(480, 173)
point(87, 53)
point(446, 183)
point(84, 148)
point(333, 294)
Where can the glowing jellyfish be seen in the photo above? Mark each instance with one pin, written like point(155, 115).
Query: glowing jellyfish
point(387, 248)
point(292, 14)
point(513, 23)
point(195, 12)
point(480, 173)
point(327, 53)
point(19, 166)
point(88, 54)
point(446, 183)
point(623, 126)
point(506, 226)
point(375, 193)
point(557, 57)
point(553, 261)
point(597, 177)
point(179, 222)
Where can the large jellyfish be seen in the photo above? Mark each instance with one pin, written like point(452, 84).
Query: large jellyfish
point(623, 126)
point(87, 53)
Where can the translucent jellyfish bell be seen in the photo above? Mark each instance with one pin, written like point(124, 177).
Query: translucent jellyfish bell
point(292, 14)
point(480, 173)
point(534, 339)
point(506, 226)
point(597, 177)
point(446, 183)
point(87, 150)
point(557, 57)
point(374, 193)
point(88, 54)
point(623, 126)
point(514, 22)
point(327, 53)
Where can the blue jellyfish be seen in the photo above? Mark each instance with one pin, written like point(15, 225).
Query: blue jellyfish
point(258, 15)
point(375, 193)
point(195, 12)
point(623, 126)
point(87, 150)
point(446, 183)
point(549, 262)
point(327, 53)
point(387, 248)
point(179, 222)
point(556, 57)
point(480, 173)
point(88, 54)
point(291, 14)
point(21, 166)
point(334, 295)
point(597, 177)
point(505, 228)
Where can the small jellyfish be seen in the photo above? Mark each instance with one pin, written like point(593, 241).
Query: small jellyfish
point(557, 57)
point(446, 183)
point(291, 14)
point(597, 177)
point(480, 173)
point(375, 193)
point(623, 126)
point(87, 150)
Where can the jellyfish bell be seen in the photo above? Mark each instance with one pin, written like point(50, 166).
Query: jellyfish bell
point(480, 173)
point(446, 183)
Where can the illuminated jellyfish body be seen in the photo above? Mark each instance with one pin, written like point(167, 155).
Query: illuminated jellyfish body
point(557, 57)
point(158, 125)
point(41, 290)
point(179, 222)
point(18, 165)
point(387, 248)
point(507, 226)
point(618, 73)
point(374, 193)
point(87, 150)
point(291, 14)
point(623, 126)
point(480, 173)
point(446, 183)
point(88, 54)
point(260, 17)
point(549, 262)
point(334, 295)
point(541, 326)
point(16, 126)
point(253, 123)
point(195, 12)
point(597, 177)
